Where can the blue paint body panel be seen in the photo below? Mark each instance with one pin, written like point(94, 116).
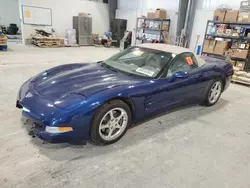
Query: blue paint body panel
point(69, 95)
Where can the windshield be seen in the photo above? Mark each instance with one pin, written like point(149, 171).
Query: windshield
point(139, 61)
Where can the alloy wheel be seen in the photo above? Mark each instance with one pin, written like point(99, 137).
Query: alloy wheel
point(113, 124)
point(215, 92)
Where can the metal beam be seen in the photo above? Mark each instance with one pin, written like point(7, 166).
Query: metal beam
point(182, 11)
point(185, 21)
point(113, 4)
point(190, 20)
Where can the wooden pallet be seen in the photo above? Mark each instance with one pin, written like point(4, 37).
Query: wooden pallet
point(240, 82)
point(48, 42)
point(47, 45)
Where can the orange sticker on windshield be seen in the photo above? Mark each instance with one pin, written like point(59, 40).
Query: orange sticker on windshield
point(189, 61)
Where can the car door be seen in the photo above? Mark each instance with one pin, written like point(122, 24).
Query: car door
point(174, 89)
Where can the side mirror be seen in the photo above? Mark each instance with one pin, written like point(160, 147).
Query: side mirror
point(178, 75)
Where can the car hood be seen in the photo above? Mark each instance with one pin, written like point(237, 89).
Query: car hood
point(84, 79)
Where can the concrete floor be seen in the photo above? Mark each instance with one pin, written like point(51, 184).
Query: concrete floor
point(189, 148)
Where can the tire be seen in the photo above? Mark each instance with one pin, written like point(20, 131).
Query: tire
point(216, 87)
point(106, 129)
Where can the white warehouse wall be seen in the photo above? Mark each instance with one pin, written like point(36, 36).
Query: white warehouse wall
point(9, 13)
point(131, 9)
point(63, 12)
point(144, 5)
point(205, 10)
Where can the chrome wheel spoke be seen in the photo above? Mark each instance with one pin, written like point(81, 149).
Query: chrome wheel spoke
point(105, 126)
point(111, 115)
point(119, 117)
point(110, 133)
point(118, 126)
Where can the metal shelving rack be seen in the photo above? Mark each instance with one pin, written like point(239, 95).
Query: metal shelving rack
point(241, 24)
point(144, 28)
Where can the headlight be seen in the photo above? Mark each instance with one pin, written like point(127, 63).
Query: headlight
point(58, 129)
point(70, 101)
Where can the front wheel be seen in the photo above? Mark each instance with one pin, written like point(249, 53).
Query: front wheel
point(110, 122)
point(214, 93)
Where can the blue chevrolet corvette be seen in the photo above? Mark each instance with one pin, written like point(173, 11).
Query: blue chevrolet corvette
point(100, 101)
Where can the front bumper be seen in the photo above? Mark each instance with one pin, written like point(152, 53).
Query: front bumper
point(42, 113)
point(54, 137)
point(38, 129)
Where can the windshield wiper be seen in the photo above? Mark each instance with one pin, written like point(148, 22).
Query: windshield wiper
point(104, 65)
point(111, 68)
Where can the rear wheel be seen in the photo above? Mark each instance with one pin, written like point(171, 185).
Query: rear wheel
point(214, 92)
point(110, 122)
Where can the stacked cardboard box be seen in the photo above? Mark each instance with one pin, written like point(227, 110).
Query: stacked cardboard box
point(158, 14)
point(237, 53)
point(231, 15)
point(209, 46)
point(216, 47)
point(244, 17)
point(219, 15)
point(151, 15)
point(3, 40)
point(222, 48)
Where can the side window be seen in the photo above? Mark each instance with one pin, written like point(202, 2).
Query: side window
point(182, 63)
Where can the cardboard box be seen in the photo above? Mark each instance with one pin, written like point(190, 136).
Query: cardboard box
point(3, 40)
point(83, 14)
point(221, 47)
point(206, 42)
point(219, 15)
point(240, 65)
point(151, 15)
point(222, 44)
point(240, 53)
point(160, 13)
point(231, 16)
point(244, 17)
point(208, 46)
point(219, 51)
point(205, 49)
